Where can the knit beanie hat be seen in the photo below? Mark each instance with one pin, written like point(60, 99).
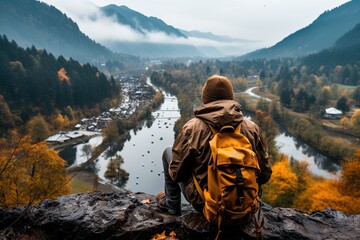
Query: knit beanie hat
point(217, 88)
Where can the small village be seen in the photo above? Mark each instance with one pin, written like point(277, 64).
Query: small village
point(134, 96)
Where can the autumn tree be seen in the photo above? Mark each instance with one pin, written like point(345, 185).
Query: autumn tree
point(60, 121)
point(345, 122)
point(37, 128)
point(350, 175)
point(30, 173)
point(239, 84)
point(305, 180)
point(324, 96)
point(112, 133)
point(69, 113)
point(6, 118)
point(115, 173)
point(356, 96)
point(281, 189)
point(342, 193)
point(87, 151)
point(328, 194)
point(355, 121)
point(269, 129)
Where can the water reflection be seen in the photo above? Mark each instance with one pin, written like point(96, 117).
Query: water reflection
point(69, 154)
point(117, 175)
point(143, 152)
point(299, 150)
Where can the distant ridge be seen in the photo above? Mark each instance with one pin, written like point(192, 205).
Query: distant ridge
point(346, 50)
point(211, 36)
point(147, 25)
point(140, 22)
point(319, 35)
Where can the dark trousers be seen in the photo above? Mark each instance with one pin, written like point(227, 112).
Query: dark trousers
point(173, 189)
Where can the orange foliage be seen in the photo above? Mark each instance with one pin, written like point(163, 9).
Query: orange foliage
point(30, 173)
point(350, 177)
point(62, 75)
point(326, 194)
point(60, 121)
point(342, 194)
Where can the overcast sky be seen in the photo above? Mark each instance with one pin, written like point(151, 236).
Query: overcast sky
point(264, 21)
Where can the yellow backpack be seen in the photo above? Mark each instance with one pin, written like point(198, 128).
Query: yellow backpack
point(231, 197)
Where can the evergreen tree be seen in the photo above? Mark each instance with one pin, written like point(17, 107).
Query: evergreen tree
point(342, 104)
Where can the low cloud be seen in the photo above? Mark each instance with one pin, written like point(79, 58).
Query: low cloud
point(104, 29)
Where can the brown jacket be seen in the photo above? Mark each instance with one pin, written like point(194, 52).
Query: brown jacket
point(191, 150)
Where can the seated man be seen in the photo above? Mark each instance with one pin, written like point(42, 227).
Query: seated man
point(191, 152)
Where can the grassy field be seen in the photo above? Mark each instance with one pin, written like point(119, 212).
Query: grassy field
point(80, 186)
point(88, 182)
point(346, 87)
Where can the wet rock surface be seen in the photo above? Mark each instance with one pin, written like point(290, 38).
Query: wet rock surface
point(125, 215)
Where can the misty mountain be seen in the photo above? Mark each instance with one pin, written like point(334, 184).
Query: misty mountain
point(154, 50)
point(145, 25)
point(319, 35)
point(138, 21)
point(30, 22)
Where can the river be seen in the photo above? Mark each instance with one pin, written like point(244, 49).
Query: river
point(143, 150)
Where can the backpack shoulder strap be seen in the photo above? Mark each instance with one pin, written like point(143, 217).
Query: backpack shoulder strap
point(213, 129)
point(198, 188)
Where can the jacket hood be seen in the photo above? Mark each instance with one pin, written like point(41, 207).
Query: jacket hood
point(220, 113)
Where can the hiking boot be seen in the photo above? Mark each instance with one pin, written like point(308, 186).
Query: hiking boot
point(163, 206)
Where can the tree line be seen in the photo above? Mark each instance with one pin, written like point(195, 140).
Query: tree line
point(34, 82)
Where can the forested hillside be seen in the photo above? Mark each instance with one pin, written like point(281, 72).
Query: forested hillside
point(30, 22)
point(345, 54)
point(35, 82)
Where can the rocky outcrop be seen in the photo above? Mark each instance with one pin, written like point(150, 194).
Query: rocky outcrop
point(125, 215)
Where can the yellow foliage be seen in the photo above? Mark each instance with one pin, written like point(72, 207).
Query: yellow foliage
point(345, 122)
point(282, 185)
point(295, 186)
point(59, 122)
point(30, 173)
point(326, 194)
point(355, 121)
point(342, 194)
point(326, 88)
